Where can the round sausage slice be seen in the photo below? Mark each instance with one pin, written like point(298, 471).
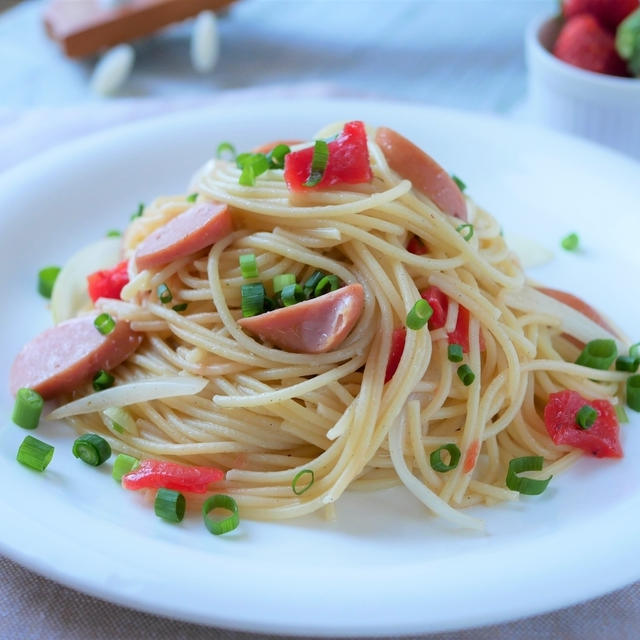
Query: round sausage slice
point(64, 357)
point(196, 228)
point(313, 326)
point(425, 174)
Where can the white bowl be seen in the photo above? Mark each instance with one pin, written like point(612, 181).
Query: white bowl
point(603, 108)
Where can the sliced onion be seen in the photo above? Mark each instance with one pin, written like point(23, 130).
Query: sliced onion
point(131, 393)
point(531, 253)
point(70, 294)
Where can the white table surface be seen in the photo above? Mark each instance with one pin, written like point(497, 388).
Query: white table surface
point(465, 54)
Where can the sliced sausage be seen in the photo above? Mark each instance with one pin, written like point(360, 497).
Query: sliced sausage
point(198, 227)
point(64, 357)
point(425, 174)
point(313, 326)
point(579, 305)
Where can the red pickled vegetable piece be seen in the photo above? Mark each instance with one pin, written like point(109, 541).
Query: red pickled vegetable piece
point(439, 302)
point(348, 161)
point(398, 338)
point(108, 283)
point(416, 246)
point(471, 457)
point(157, 474)
point(601, 440)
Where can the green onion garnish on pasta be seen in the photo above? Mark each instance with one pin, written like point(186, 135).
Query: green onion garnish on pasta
point(570, 242)
point(633, 392)
point(276, 156)
point(627, 363)
point(192, 197)
point(634, 350)
point(466, 375)
point(46, 279)
point(623, 418)
point(282, 280)
point(319, 162)
point(164, 293)
point(466, 230)
point(104, 323)
point(292, 294)
point(312, 282)
point(302, 481)
point(598, 354)
point(34, 453)
point(455, 353)
point(526, 486)
point(438, 464)
point(459, 183)
point(92, 449)
point(325, 285)
point(169, 505)
point(586, 417)
point(178, 308)
point(248, 265)
point(253, 296)
point(139, 211)
point(226, 524)
point(102, 380)
point(114, 233)
point(419, 315)
point(27, 408)
point(122, 465)
point(226, 148)
point(252, 165)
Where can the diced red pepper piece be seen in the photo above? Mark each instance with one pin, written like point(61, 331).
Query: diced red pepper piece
point(416, 246)
point(471, 457)
point(398, 338)
point(157, 474)
point(601, 440)
point(439, 302)
point(108, 283)
point(348, 161)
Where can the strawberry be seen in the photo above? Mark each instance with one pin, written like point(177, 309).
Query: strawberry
point(584, 43)
point(610, 13)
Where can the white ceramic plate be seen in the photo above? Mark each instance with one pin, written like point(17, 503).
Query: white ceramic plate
point(385, 566)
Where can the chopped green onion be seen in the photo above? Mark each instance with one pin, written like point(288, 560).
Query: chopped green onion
point(114, 233)
point(248, 266)
point(570, 242)
point(104, 323)
point(318, 163)
point(180, 307)
point(627, 363)
point(276, 156)
point(466, 230)
point(301, 474)
point(220, 501)
point(466, 375)
point(598, 354)
point(192, 197)
point(27, 408)
point(461, 185)
point(102, 380)
point(634, 350)
point(586, 417)
point(526, 486)
point(34, 453)
point(252, 299)
point(169, 505)
point(623, 418)
point(252, 165)
point(164, 293)
point(282, 280)
point(325, 285)
point(46, 279)
point(269, 304)
point(419, 315)
point(313, 281)
point(292, 294)
point(92, 449)
point(438, 464)
point(248, 176)
point(455, 353)
point(633, 392)
point(120, 420)
point(122, 465)
point(225, 147)
point(139, 211)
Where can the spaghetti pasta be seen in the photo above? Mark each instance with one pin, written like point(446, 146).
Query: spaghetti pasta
point(266, 415)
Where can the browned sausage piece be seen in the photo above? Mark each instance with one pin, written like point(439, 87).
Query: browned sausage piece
point(313, 326)
point(423, 171)
point(196, 228)
point(64, 357)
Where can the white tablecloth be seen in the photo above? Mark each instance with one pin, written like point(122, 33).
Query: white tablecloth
point(459, 53)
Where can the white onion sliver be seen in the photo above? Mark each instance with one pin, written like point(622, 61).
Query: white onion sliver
point(131, 393)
